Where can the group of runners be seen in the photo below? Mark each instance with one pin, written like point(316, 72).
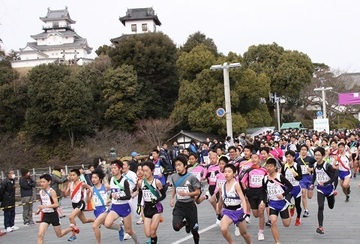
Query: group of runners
point(266, 183)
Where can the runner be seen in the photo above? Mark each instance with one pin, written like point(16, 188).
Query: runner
point(186, 187)
point(324, 177)
point(252, 185)
point(244, 164)
point(199, 171)
point(151, 192)
point(343, 163)
point(48, 206)
point(120, 196)
point(76, 191)
point(100, 200)
point(307, 167)
point(293, 173)
point(233, 200)
point(210, 174)
point(220, 180)
point(275, 188)
point(132, 179)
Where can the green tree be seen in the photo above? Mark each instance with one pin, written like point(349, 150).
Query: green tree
point(192, 63)
point(42, 119)
point(7, 73)
point(92, 75)
point(74, 108)
point(121, 94)
point(13, 105)
point(198, 39)
point(153, 57)
point(103, 50)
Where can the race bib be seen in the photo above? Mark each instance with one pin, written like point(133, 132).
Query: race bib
point(147, 195)
point(185, 189)
point(157, 171)
point(304, 169)
point(256, 180)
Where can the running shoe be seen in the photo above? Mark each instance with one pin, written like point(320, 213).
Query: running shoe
point(297, 222)
point(320, 230)
point(347, 198)
point(268, 223)
point(140, 221)
point(127, 236)
point(247, 218)
point(196, 227)
point(14, 227)
point(218, 221)
point(72, 238)
point(148, 241)
point(121, 233)
point(8, 229)
point(306, 213)
point(261, 236)
point(74, 229)
point(292, 210)
point(237, 231)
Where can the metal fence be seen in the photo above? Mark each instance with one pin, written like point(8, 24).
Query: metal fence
point(36, 173)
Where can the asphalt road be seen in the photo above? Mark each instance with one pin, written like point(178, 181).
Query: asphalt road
point(341, 226)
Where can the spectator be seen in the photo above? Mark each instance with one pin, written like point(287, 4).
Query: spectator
point(7, 192)
point(27, 185)
point(174, 152)
point(134, 161)
point(57, 184)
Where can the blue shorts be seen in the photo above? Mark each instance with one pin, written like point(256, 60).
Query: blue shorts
point(326, 190)
point(99, 210)
point(305, 182)
point(279, 206)
point(122, 210)
point(344, 174)
point(296, 192)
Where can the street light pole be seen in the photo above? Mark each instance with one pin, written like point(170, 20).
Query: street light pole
point(225, 67)
point(277, 100)
point(323, 89)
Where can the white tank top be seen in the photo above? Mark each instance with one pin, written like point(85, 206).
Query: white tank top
point(46, 200)
point(148, 196)
point(230, 198)
point(117, 192)
point(78, 195)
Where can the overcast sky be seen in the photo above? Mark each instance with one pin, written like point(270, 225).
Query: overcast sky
point(326, 30)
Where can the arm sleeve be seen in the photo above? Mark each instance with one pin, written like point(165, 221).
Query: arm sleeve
point(263, 192)
point(287, 183)
point(313, 178)
point(139, 197)
point(330, 172)
point(127, 191)
point(299, 171)
point(163, 195)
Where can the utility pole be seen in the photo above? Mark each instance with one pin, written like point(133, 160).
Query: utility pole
point(323, 89)
point(225, 67)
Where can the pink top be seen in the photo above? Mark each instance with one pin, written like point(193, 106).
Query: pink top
point(277, 153)
point(254, 178)
point(220, 181)
point(211, 172)
point(244, 165)
point(197, 170)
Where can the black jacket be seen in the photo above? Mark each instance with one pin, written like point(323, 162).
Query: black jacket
point(26, 186)
point(8, 192)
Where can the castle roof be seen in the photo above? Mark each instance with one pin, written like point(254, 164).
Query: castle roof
point(53, 15)
point(140, 14)
point(79, 43)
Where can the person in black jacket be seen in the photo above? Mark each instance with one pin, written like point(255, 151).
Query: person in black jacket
point(8, 203)
point(27, 185)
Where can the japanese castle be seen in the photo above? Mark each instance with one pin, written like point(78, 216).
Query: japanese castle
point(57, 43)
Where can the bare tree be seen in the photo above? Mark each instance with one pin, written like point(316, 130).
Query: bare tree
point(154, 131)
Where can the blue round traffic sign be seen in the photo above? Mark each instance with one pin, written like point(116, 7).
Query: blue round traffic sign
point(220, 112)
point(319, 113)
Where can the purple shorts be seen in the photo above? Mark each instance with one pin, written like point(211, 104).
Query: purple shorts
point(122, 210)
point(236, 216)
point(343, 174)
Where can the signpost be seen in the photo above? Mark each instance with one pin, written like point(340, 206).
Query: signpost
point(220, 112)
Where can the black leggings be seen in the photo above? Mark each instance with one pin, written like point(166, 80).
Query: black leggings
point(321, 201)
point(297, 204)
